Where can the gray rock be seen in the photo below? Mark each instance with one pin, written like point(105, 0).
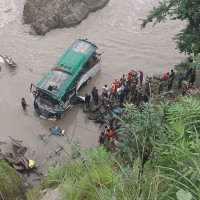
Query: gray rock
point(44, 15)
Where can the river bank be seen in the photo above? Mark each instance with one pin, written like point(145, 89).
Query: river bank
point(141, 158)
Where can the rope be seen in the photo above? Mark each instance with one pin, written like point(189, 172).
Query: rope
point(79, 126)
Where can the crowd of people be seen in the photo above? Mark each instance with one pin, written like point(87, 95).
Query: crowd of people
point(133, 89)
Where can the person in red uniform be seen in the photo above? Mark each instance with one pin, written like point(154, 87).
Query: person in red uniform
point(165, 76)
point(109, 133)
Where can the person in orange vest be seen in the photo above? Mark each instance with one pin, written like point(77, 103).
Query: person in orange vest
point(116, 82)
point(109, 133)
point(112, 90)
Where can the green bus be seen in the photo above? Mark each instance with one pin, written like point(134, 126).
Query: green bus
point(58, 88)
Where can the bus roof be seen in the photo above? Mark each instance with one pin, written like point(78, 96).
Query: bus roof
point(70, 64)
point(75, 56)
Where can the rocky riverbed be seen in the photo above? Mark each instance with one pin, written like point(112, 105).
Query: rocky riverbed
point(44, 15)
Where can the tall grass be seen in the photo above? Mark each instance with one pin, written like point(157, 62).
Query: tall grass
point(157, 158)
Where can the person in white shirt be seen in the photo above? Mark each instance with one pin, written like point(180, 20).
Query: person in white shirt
point(118, 93)
point(122, 88)
point(105, 91)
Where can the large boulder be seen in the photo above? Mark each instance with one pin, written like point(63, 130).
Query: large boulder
point(12, 186)
point(44, 15)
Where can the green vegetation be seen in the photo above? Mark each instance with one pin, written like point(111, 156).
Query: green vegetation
point(32, 194)
point(188, 40)
point(10, 181)
point(157, 158)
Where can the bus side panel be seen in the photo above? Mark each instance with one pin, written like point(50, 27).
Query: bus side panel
point(90, 74)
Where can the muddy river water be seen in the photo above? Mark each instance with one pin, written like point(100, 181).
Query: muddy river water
point(115, 30)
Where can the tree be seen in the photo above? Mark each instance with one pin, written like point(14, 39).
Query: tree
point(188, 40)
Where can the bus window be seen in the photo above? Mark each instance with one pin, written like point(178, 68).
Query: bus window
point(91, 61)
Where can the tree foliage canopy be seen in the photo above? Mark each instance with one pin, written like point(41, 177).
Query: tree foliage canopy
point(188, 40)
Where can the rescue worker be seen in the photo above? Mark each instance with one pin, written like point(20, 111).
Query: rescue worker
point(112, 90)
point(116, 82)
point(109, 133)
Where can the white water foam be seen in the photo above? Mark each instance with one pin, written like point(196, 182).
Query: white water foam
point(8, 12)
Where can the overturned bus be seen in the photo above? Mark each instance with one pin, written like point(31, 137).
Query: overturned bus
point(57, 90)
